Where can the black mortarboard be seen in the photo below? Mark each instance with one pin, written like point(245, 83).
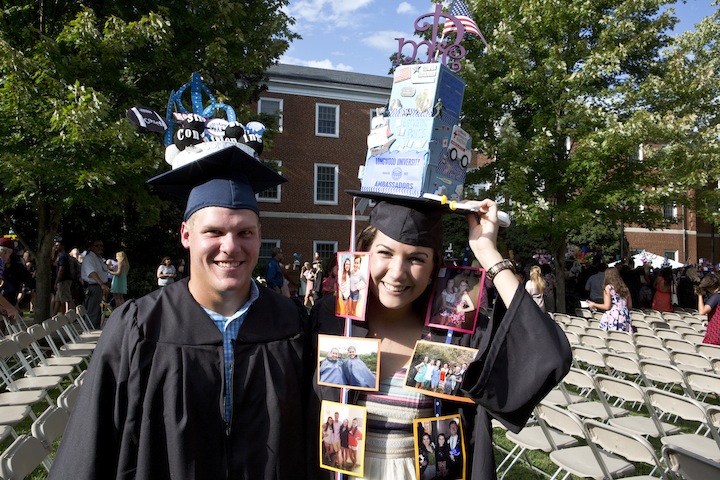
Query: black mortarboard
point(414, 221)
point(229, 177)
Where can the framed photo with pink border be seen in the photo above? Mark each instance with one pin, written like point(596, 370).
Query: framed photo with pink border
point(455, 300)
point(352, 284)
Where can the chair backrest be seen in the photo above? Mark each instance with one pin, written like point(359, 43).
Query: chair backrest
point(592, 341)
point(653, 352)
point(679, 405)
point(588, 355)
point(560, 419)
point(710, 351)
point(620, 335)
point(50, 425)
point(620, 442)
point(620, 388)
point(696, 338)
point(622, 363)
point(705, 382)
point(676, 345)
point(689, 465)
point(621, 346)
point(693, 360)
point(658, 372)
point(23, 456)
point(576, 329)
point(572, 337)
point(648, 340)
point(68, 398)
point(579, 379)
point(668, 334)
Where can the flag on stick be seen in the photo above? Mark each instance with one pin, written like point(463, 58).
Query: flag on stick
point(460, 10)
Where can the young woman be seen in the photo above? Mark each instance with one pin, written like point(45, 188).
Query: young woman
point(309, 275)
point(427, 458)
point(405, 242)
point(344, 286)
point(662, 300)
point(118, 286)
point(536, 286)
point(616, 303)
point(442, 457)
point(710, 287)
point(166, 272)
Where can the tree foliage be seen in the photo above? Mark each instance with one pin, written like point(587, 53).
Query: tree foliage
point(583, 105)
point(70, 70)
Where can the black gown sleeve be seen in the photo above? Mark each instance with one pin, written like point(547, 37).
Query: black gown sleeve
point(522, 355)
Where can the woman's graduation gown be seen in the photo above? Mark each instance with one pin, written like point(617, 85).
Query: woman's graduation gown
point(522, 355)
point(152, 404)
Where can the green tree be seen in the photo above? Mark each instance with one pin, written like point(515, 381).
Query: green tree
point(69, 72)
point(570, 102)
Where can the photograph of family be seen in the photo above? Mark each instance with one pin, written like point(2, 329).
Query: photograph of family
point(456, 298)
point(348, 362)
point(342, 437)
point(352, 282)
point(437, 369)
point(439, 448)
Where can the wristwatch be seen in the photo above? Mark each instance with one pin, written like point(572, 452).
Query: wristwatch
point(505, 264)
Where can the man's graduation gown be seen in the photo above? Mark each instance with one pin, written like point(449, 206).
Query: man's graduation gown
point(522, 355)
point(152, 405)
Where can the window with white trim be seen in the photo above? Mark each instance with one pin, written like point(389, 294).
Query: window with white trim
point(669, 212)
point(327, 120)
point(326, 184)
point(266, 251)
point(274, 107)
point(272, 195)
point(325, 249)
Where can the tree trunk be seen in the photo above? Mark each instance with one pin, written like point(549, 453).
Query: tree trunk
point(559, 262)
point(48, 224)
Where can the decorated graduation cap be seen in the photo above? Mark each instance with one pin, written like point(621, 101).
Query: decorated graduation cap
point(215, 161)
point(227, 176)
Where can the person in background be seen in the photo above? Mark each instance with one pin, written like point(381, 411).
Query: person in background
point(273, 272)
point(616, 303)
point(662, 299)
point(6, 249)
point(62, 301)
point(686, 285)
point(536, 286)
point(710, 287)
point(181, 273)
point(118, 285)
point(594, 285)
point(549, 291)
point(94, 277)
point(166, 272)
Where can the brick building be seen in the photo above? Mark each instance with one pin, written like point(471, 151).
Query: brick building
point(324, 120)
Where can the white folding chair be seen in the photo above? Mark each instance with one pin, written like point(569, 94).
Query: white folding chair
point(689, 410)
point(630, 446)
point(49, 427)
point(22, 457)
point(625, 391)
point(662, 374)
point(705, 383)
point(584, 461)
point(710, 351)
point(38, 333)
point(690, 465)
point(34, 361)
point(679, 345)
point(691, 361)
point(596, 406)
point(67, 399)
point(14, 374)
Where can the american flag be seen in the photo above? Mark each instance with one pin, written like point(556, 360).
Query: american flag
point(460, 10)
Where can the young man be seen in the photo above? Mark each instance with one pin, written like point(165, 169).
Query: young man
point(203, 378)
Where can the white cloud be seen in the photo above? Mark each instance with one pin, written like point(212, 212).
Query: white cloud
point(406, 9)
point(326, 63)
point(384, 40)
point(331, 13)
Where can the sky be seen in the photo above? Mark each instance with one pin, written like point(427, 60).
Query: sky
point(359, 35)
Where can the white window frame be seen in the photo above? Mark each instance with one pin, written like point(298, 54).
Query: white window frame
point(278, 189)
point(673, 211)
point(266, 242)
point(315, 184)
point(316, 243)
point(279, 110)
point(336, 134)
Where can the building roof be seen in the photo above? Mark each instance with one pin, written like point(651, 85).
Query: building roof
point(324, 83)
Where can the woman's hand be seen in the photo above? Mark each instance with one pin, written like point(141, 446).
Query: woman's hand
point(483, 226)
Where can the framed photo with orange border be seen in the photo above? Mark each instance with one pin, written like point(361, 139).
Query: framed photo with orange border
point(348, 362)
point(455, 300)
point(438, 369)
point(352, 284)
point(439, 448)
point(342, 438)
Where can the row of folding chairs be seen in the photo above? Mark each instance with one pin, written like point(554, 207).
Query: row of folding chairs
point(29, 451)
point(629, 413)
